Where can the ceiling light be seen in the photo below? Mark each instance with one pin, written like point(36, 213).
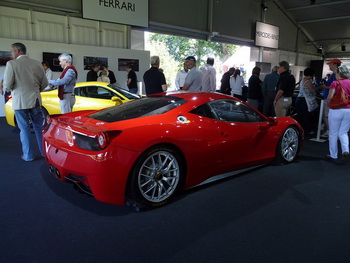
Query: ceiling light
point(264, 7)
point(343, 47)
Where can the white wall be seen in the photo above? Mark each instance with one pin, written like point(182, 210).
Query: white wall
point(35, 50)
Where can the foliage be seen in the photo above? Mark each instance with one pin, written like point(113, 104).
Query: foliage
point(180, 47)
point(167, 63)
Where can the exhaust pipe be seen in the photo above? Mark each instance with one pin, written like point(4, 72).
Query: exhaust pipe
point(55, 172)
point(52, 169)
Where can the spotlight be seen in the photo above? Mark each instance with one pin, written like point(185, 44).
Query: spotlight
point(312, 2)
point(343, 47)
point(320, 49)
point(264, 7)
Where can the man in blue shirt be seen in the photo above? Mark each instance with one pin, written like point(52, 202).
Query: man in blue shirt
point(193, 81)
point(269, 91)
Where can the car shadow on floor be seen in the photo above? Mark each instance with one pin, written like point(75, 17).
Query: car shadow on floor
point(67, 192)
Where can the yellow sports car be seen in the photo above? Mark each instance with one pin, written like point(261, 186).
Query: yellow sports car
point(89, 96)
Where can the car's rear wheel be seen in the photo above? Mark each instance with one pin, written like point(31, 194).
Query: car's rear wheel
point(156, 177)
point(288, 146)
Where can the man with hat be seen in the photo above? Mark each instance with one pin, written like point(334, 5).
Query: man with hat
point(333, 64)
point(193, 81)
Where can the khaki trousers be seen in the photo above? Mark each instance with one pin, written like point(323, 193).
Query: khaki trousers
point(282, 106)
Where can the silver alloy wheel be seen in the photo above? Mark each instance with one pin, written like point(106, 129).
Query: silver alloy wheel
point(289, 144)
point(159, 176)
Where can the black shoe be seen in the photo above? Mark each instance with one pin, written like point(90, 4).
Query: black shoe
point(331, 159)
point(345, 157)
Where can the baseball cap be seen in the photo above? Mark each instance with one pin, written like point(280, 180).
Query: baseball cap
point(335, 61)
point(191, 58)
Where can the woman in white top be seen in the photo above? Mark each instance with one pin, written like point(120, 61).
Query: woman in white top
point(306, 101)
point(104, 77)
point(236, 84)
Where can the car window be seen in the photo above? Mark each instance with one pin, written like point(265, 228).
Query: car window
point(125, 93)
point(98, 92)
point(94, 92)
point(150, 106)
point(203, 110)
point(234, 111)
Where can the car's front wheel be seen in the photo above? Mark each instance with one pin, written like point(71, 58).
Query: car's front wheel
point(156, 177)
point(288, 146)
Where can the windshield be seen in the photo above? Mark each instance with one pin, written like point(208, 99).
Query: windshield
point(125, 93)
point(150, 106)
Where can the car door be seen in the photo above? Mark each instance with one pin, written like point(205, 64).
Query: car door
point(246, 134)
point(93, 97)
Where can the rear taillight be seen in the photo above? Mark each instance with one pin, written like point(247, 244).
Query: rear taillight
point(97, 143)
point(102, 140)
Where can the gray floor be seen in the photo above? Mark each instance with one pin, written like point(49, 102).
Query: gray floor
point(292, 213)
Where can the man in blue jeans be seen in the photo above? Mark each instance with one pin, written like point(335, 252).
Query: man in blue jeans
point(25, 78)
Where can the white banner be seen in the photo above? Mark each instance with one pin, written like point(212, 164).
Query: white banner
point(132, 12)
point(266, 35)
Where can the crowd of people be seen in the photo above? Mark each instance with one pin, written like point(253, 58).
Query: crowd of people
point(26, 78)
point(273, 96)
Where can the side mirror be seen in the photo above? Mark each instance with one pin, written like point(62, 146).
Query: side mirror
point(273, 121)
point(117, 100)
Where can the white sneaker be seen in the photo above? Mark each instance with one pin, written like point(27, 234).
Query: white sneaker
point(325, 134)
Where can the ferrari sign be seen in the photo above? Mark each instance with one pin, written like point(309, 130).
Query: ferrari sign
point(266, 35)
point(132, 12)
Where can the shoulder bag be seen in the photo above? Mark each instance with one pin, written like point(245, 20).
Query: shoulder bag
point(340, 99)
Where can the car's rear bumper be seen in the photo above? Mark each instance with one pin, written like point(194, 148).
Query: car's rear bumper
point(103, 174)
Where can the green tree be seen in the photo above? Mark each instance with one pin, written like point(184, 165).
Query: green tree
point(181, 47)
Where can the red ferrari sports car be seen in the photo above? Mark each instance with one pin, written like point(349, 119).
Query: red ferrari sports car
point(144, 151)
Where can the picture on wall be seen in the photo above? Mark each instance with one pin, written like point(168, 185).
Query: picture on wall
point(122, 62)
point(4, 57)
point(265, 69)
point(90, 61)
point(53, 60)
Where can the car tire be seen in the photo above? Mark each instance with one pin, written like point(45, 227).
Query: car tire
point(156, 177)
point(288, 146)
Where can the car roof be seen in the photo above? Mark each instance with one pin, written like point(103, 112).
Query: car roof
point(99, 83)
point(199, 97)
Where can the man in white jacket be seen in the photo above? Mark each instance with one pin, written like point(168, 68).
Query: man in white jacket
point(25, 78)
point(209, 76)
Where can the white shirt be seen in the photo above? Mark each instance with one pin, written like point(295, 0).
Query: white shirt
point(209, 78)
point(180, 78)
point(236, 84)
point(49, 75)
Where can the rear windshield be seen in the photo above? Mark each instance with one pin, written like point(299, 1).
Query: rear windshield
point(150, 106)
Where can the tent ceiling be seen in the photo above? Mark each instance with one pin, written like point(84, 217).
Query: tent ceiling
point(323, 22)
point(327, 22)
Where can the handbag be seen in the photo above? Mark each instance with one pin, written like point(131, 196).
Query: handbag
point(340, 99)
